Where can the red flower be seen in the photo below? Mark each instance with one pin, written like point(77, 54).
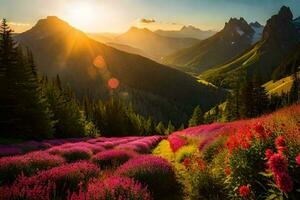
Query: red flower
point(284, 182)
point(298, 159)
point(280, 142)
point(277, 163)
point(186, 162)
point(244, 190)
point(227, 171)
point(269, 153)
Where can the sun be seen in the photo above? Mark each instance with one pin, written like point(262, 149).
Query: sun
point(80, 14)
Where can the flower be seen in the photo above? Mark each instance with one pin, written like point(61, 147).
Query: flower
point(298, 159)
point(284, 182)
point(186, 162)
point(280, 142)
point(227, 171)
point(269, 153)
point(244, 190)
point(277, 163)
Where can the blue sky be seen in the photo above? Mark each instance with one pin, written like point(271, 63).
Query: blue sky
point(119, 15)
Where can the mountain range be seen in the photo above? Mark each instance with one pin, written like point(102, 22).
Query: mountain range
point(86, 65)
point(187, 32)
point(279, 40)
point(236, 37)
point(152, 43)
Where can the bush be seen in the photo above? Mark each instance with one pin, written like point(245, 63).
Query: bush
point(206, 185)
point(156, 173)
point(55, 183)
point(74, 154)
point(28, 164)
point(185, 152)
point(115, 188)
point(112, 158)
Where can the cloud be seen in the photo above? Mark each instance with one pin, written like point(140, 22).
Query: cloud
point(147, 21)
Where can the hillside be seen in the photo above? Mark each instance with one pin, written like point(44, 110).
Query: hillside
point(280, 36)
point(152, 43)
point(87, 65)
point(187, 32)
point(236, 37)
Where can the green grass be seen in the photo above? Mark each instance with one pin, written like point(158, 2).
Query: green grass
point(279, 87)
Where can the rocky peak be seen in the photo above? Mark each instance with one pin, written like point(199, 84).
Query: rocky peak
point(238, 25)
point(189, 28)
point(280, 26)
point(255, 24)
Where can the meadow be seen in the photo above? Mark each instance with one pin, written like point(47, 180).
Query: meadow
point(247, 159)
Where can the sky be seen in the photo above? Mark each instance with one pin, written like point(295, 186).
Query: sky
point(118, 15)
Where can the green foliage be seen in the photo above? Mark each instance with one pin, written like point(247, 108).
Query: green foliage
point(170, 129)
point(213, 149)
point(197, 117)
point(24, 110)
point(206, 185)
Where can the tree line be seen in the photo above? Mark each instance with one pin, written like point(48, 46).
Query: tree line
point(37, 107)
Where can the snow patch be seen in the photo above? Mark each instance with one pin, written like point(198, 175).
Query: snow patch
point(257, 34)
point(239, 31)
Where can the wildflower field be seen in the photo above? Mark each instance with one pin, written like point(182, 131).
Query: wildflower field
point(248, 159)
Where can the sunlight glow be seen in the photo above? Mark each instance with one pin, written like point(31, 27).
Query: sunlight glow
point(80, 14)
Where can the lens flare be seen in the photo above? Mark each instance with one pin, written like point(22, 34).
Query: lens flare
point(99, 62)
point(113, 83)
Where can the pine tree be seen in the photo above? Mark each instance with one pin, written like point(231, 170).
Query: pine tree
point(160, 128)
point(170, 128)
point(197, 117)
point(24, 111)
point(260, 97)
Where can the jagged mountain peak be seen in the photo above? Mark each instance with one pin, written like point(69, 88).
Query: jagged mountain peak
point(274, 27)
point(256, 24)
point(190, 28)
point(240, 26)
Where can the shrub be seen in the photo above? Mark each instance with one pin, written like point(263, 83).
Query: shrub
point(155, 172)
point(112, 158)
point(176, 141)
point(28, 164)
point(74, 154)
point(115, 188)
point(55, 183)
point(206, 185)
point(185, 152)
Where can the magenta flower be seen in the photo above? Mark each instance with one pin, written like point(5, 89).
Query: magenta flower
point(269, 153)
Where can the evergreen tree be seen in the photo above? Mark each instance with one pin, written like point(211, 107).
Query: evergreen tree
point(260, 97)
point(24, 111)
point(70, 121)
point(160, 128)
point(170, 128)
point(197, 117)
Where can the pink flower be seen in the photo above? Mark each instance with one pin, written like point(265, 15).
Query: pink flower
point(277, 163)
point(284, 182)
point(269, 153)
point(298, 159)
point(244, 190)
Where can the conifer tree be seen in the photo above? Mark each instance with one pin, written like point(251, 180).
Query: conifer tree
point(24, 111)
point(170, 128)
point(197, 117)
point(294, 95)
point(160, 128)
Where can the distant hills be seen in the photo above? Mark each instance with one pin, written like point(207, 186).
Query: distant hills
point(187, 32)
point(279, 40)
point(236, 37)
point(152, 43)
point(87, 65)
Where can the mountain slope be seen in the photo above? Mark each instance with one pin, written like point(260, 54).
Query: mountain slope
point(152, 43)
point(280, 36)
point(236, 37)
point(86, 65)
point(187, 32)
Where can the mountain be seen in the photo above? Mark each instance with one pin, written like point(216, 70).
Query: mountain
point(129, 49)
point(280, 37)
point(102, 37)
point(152, 43)
point(187, 32)
point(236, 37)
point(87, 65)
